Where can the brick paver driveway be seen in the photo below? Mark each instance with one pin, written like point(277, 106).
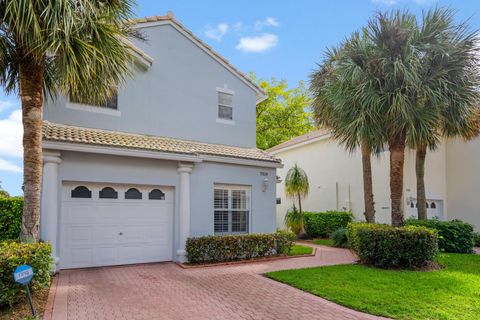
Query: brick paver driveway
point(166, 291)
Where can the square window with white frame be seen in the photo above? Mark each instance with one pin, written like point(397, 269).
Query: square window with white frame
point(225, 105)
point(231, 209)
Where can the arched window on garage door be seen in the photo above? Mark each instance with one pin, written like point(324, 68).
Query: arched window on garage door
point(81, 192)
point(133, 193)
point(433, 205)
point(108, 193)
point(156, 194)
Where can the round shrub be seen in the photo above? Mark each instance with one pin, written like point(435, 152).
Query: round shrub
point(323, 224)
point(339, 238)
point(14, 254)
point(389, 247)
point(453, 236)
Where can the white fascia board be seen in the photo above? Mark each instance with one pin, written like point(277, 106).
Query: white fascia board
point(301, 144)
point(65, 146)
point(261, 96)
point(240, 161)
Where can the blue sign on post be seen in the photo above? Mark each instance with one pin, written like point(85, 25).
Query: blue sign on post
point(23, 274)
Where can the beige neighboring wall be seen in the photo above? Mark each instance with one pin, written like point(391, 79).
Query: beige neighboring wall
point(336, 183)
point(463, 180)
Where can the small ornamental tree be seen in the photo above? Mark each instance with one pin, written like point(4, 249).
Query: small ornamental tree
point(296, 188)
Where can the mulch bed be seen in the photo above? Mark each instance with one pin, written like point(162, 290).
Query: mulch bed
point(21, 310)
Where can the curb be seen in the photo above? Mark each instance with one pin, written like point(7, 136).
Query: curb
point(47, 314)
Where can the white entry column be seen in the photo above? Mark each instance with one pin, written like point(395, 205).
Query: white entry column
point(184, 170)
point(50, 203)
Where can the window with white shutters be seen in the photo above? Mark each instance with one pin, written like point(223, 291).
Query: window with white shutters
point(231, 209)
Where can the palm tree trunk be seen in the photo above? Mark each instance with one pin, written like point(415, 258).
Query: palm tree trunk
point(420, 172)
point(31, 82)
point(303, 233)
point(367, 183)
point(397, 159)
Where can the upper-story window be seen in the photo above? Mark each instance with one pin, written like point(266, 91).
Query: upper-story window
point(225, 104)
point(111, 103)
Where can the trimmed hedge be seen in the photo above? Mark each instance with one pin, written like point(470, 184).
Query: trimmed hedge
point(323, 224)
point(13, 254)
point(211, 249)
point(389, 247)
point(10, 218)
point(453, 236)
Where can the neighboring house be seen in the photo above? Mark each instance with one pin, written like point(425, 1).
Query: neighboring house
point(171, 156)
point(452, 179)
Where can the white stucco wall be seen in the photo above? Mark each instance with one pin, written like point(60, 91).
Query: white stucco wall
point(463, 180)
point(88, 167)
point(175, 97)
point(329, 167)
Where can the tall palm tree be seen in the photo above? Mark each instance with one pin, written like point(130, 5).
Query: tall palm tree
point(393, 78)
point(335, 87)
point(49, 47)
point(453, 67)
point(296, 188)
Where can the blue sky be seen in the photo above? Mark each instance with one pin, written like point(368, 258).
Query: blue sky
point(281, 39)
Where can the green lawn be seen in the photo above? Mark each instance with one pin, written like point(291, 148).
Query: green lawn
point(450, 293)
point(299, 250)
point(324, 242)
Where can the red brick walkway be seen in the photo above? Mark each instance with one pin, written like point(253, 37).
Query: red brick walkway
point(166, 291)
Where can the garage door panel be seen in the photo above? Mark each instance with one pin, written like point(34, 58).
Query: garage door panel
point(106, 234)
point(79, 235)
point(79, 214)
point(100, 232)
point(105, 256)
point(79, 257)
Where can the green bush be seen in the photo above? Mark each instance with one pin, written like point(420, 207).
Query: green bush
point(10, 218)
point(14, 254)
point(323, 224)
point(389, 247)
point(211, 249)
point(453, 236)
point(339, 238)
point(476, 239)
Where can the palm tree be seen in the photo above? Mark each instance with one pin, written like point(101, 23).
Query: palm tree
point(453, 78)
point(335, 86)
point(397, 78)
point(50, 47)
point(296, 188)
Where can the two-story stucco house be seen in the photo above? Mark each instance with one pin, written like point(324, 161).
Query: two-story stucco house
point(172, 156)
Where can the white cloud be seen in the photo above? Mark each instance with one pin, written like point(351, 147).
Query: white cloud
point(11, 132)
point(267, 22)
point(9, 166)
point(238, 26)
point(216, 32)
point(6, 104)
point(258, 43)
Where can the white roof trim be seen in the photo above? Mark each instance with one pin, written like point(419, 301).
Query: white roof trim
point(239, 161)
point(65, 146)
point(138, 153)
point(261, 96)
point(301, 144)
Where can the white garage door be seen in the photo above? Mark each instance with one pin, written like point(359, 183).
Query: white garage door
point(111, 224)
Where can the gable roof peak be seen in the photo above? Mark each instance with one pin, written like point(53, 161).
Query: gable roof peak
point(170, 18)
